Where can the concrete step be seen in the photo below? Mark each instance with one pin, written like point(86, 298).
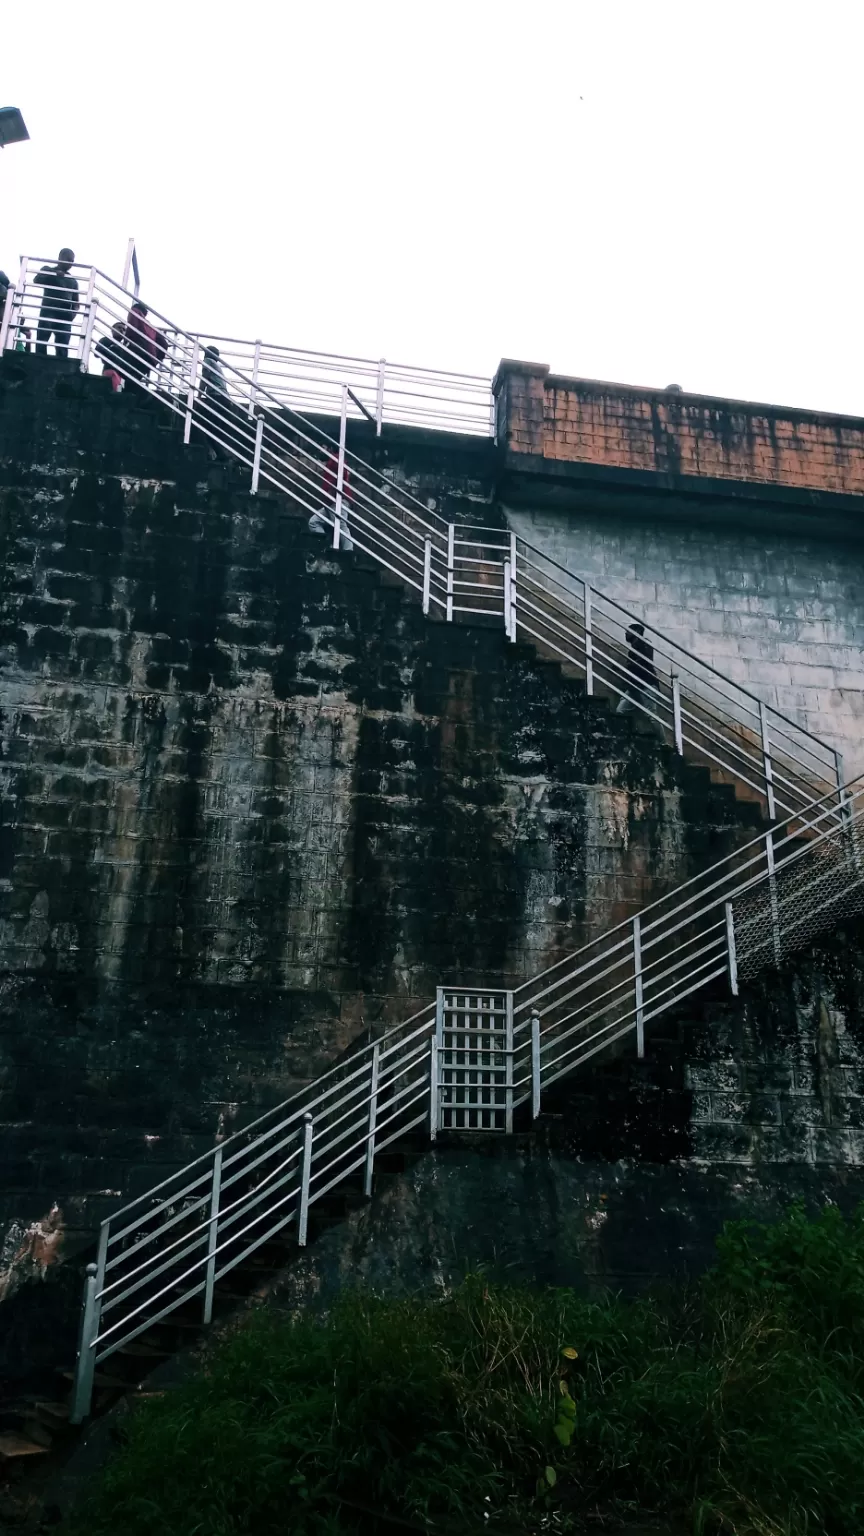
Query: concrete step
point(14, 1447)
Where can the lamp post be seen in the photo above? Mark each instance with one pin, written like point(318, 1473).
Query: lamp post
point(13, 129)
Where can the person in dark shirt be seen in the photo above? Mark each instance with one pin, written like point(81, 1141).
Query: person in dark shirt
point(59, 306)
point(112, 350)
point(641, 681)
point(214, 385)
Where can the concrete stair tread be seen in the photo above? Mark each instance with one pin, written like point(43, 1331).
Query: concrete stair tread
point(13, 1446)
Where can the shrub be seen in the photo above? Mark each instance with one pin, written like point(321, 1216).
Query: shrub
point(736, 1407)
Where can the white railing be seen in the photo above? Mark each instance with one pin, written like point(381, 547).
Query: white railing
point(178, 1240)
point(466, 1062)
point(312, 382)
point(493, 573)
point(458, 571)
point(787, 884)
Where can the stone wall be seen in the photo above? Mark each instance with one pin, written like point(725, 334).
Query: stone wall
point(782, 614)
point(254, 805)
point(738, 1108)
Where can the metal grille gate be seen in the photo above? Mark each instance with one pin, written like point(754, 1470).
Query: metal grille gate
point(474, 1037)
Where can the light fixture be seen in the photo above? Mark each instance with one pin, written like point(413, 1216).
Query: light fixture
point(12, 127)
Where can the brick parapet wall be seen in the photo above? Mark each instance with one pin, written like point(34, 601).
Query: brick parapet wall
point(616, 426)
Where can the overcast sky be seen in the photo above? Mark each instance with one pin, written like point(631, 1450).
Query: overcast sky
point(644, 192)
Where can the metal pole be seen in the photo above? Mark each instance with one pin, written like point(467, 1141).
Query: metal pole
point(772, 896)
point(379, 400)
point(434, 1066)
point(256, 457)
point(451, 540)
point(512, 631)
point(190, 394)
point(507, 598)
point(434, 1104)
point(427, 571)
point(730, 950)
point(256, 360)
point(127, 268)
point(85, 1366)
point(508, 1076)
point(676, 713)
point(766, 762)
point(535, 1065)
point(305, 1176)
point(90, 304)
point(210, 1273)
point(7, 316)
point(637, 972)
point(589, 642)
point(373, 1117)
point(842, 798)
point(340, 472)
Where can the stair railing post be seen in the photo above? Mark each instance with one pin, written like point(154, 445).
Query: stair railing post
point(772, 895)
point(340, 471)
point(451, 544)
point(91, 1312)
point(256, 364)
point(212, 1235)
point(507, 599)
point(379, 398)
point(512, 598)
point(676, 714)
point(508, 1075)
point(589, 640)
point(847, 815)
point(427, 571)
point(437, 1045)
point(190, 393)
point(90, 307)
point(767, 768)
point(637, 976)
point(535, 1065)
point(5, 321)
point(256, 457)
point(305, 1178)
point(127, 265)
point(373, 1120)
point(731, 953)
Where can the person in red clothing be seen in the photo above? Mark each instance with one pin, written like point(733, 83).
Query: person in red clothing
point(329, 484)
point(145, 345)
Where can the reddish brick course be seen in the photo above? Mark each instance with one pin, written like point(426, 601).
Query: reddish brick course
point(591, 422)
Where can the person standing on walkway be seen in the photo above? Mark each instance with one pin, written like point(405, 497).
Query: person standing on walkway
point(59, 305)
point(214, 385)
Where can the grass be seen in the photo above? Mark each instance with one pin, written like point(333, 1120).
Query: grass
point(735, 1408)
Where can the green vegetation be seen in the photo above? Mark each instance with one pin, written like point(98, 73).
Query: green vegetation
point(736, 1408)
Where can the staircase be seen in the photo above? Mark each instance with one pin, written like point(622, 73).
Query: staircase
point(471, 1060)
point(459, 573)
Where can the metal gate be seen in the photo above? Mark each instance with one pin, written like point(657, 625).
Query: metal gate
point(474, 1040)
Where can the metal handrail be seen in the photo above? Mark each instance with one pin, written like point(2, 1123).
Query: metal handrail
point(172, 1245)
point(622, 984)
point(458, 570)
point(401, 393)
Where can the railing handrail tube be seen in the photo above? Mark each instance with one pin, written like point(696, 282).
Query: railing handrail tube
point(832, 809)
point(667, 641)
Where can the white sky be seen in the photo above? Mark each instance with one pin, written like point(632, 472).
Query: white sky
point(643, 192)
